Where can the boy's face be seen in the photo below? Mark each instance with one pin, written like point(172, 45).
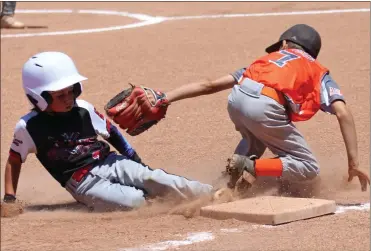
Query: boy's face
point(63, 100)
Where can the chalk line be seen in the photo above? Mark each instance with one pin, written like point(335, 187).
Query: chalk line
point(208, 236)
point(292, 13)
point(146, 20)
point(190, 239)
point(112, 28)
point(360, 207)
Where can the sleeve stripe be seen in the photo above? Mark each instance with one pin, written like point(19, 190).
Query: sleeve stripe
point(15, 154)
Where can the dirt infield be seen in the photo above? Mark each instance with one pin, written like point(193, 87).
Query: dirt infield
point(197, 136)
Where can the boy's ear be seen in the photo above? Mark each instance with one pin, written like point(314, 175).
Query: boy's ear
point(283, 45)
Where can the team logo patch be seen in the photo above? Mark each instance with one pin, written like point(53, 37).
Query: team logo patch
point(17, 142)
point(335, 91)
point(96, 154)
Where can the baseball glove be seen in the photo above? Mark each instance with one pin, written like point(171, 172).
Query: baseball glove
point(136, 109)
point(239, 168)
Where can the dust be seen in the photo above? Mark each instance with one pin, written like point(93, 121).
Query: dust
point(331, 184)
point(155, 207)
point(71, 210)
point(11, 209)
point(190, 209)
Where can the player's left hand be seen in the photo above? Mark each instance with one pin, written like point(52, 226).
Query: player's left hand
point(364, 179)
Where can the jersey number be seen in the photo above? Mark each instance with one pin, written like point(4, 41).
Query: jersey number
point(287, 56)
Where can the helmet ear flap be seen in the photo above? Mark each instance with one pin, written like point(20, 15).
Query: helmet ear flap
point(48, 98)
point(38, 101)
point(77, 89)
point(32, 100)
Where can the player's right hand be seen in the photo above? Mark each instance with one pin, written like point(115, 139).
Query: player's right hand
point(10, 206)
point(364, 179)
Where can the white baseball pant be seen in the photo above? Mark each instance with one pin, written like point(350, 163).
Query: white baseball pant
point(122, 183)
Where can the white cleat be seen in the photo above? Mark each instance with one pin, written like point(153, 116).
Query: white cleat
point(9, 22)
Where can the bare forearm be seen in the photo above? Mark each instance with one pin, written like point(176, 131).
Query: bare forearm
point(348, 131)
point(11, 177)
point(201, 88)
point(188, 91)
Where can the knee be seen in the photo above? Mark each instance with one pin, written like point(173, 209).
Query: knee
point(312, 170)
point(125, 200)
point(131, 198)
point(134, 201)
point(302, 170)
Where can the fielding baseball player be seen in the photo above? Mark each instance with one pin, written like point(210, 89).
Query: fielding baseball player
point(287, 85)
point(63, 133)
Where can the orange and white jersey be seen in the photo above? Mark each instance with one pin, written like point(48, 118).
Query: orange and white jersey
point(305, 83)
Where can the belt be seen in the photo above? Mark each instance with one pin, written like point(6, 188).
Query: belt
point(274, 94)
point(80, 174)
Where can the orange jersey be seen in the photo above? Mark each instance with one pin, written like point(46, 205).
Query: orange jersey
point(294, 73)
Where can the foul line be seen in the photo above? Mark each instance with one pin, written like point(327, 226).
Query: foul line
point(191, 238)
point(292, 13)
point(145, 20)
point(197, 237)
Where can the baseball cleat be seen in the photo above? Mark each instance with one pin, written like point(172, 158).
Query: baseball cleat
point(9, 22)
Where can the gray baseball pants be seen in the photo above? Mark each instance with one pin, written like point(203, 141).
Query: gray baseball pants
point(8, 8)
point(263, 123)
point(121, 183)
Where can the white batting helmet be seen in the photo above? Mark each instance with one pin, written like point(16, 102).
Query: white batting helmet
point(49, 71)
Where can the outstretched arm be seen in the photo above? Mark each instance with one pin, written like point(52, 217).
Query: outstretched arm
point(201, 88)
point(12, 172)
point(137, 109)
point(21, 146)
point(347, 127)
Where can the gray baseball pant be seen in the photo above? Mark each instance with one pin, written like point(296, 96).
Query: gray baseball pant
point(118, 182)
point(263, 122)
point(8, 8)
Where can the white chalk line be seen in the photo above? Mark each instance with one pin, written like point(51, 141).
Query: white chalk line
point(141, 17)
point(361, 207)
point(55, 33)
point(292, 13)
point(145, 20)
point(190, 239)
point(150, 20)
point(230, 230)
point(197, 237)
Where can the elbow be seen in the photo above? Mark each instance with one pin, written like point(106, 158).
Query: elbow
point(341, 110)
point(342, 114)
point(207, 87)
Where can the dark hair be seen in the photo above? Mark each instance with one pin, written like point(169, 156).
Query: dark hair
point(292, 45)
